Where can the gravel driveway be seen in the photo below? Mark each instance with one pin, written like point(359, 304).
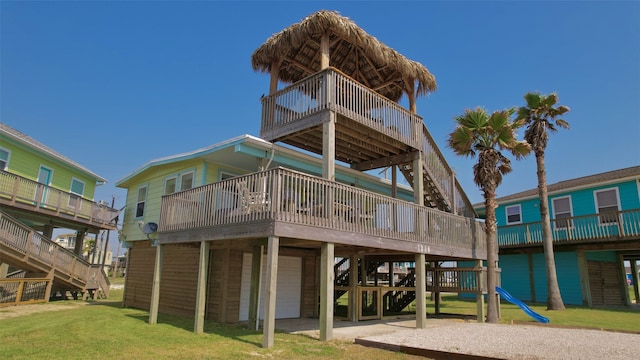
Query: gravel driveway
point(521, 342)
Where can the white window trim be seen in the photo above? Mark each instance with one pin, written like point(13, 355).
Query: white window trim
point(571, 225)
point(223, 173)
point(144, 209)
point(181, 175)
point(506, 214)
point(8, 158)
point(80, 196)
point(175, 177)
point(597, 210)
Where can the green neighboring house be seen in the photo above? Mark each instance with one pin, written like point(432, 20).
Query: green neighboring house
point(40, 191)
point(595, 221)
point(46, 190)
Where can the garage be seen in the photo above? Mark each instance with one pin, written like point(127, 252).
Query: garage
point(288, 288)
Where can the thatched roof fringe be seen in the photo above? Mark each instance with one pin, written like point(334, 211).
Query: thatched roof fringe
point(300, 42)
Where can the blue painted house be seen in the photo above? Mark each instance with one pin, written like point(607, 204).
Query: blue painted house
point(595, 221)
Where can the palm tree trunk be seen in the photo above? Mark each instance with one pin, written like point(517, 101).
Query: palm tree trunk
point(492, 254)
point(554, 300)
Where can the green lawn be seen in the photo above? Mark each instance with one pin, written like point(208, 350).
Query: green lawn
point(103, 329)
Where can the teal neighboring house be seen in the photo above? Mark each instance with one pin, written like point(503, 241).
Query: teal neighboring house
point(595, 221)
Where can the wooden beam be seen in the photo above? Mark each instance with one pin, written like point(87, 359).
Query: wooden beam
point(421, 292)
point(353, 284)
point(327, 260)
point(254, 292)
point(270, 296)
point(301, 66)
point(329, 148)
point(479, 295)
point(324, 51)
point(275, 75)
point(201, 290)
point(387, 161)
point(155, 289)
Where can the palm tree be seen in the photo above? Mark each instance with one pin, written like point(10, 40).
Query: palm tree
point(540, 116)
point(477, 133)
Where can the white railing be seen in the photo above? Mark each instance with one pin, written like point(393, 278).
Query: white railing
point(285, 195)
point(618, 225)
point(17, 189)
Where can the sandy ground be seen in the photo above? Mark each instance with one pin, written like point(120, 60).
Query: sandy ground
point(21, 310)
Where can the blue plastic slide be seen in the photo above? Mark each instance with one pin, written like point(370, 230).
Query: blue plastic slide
point(522, 306)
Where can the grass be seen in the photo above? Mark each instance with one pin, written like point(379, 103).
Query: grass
point(574, 316)
point(103, 329)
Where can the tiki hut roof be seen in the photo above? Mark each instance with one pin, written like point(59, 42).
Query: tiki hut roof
point(352, 51)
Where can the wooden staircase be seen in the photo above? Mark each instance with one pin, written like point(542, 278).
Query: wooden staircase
point(43, 260)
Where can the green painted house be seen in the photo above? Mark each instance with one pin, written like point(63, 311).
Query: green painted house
point(45, 189)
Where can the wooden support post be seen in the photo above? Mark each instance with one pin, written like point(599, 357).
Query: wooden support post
point(421, 292)
point(329, 148)
point(155, 290)
point(254, 292)
point(324, 51)
point(636, 277)
point(273, 244)
point(47, 231)
point(201, 291)
point(353, 284)
point(4, 270)
point(77, 249)
point(327, 260)
point(47, 291)
point(479, 293)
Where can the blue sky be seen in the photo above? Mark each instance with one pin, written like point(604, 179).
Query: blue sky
point(113, 85)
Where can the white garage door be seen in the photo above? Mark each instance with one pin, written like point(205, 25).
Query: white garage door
point(288, 289)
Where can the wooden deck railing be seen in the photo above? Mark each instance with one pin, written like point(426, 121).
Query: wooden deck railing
point(22, 245)
point(331, 89)
point(17, 190)
point(285, 195)
point(23, 291)
point(618, 225)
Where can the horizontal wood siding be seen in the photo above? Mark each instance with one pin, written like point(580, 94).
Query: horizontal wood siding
point(177, 283)
point(179, 280)
point(310, 276)
point(139, 275)
point(223, 302)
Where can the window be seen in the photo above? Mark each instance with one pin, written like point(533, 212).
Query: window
point(514, 214)
point(562, 212)
point(186, 181)
point(142, 196)
point(77, 191)
point(4, 159)
point(607, 205)
point(170, 185)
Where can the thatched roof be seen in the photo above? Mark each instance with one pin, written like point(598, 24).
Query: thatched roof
point(352, 51)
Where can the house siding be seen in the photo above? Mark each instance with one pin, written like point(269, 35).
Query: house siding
point(26, 162)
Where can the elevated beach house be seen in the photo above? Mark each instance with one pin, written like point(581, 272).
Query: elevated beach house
point(595, 221)
point(290, 224)
point(41, 190)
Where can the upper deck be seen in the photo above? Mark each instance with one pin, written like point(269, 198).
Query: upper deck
point(371, 132)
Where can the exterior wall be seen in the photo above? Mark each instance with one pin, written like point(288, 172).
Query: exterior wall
point(154, 179)
point(582, 202)
point(516, 277)
point(179, 279)
point(26, 162)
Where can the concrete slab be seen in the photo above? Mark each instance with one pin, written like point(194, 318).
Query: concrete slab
point(349, 330)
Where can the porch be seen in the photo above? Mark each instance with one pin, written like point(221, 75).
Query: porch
point(294, 206)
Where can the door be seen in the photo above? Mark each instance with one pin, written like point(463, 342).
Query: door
point(288, 288)
point(604, 283)
point(44, 178)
